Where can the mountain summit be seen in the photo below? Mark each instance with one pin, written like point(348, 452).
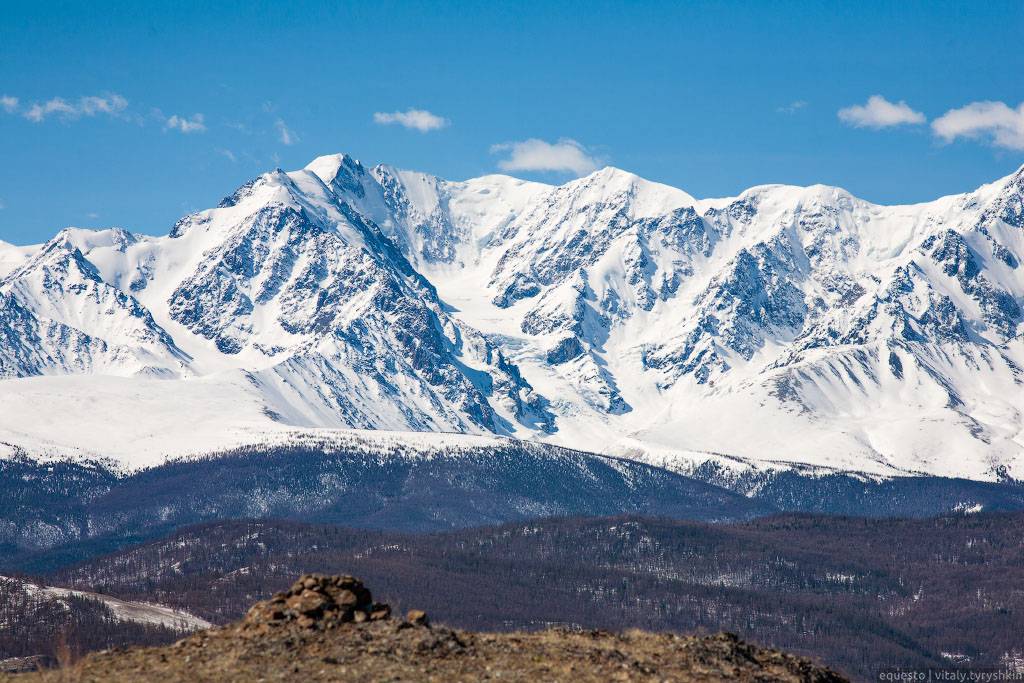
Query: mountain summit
point(785, 327)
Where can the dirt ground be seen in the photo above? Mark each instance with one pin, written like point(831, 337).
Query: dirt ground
point(392, 650)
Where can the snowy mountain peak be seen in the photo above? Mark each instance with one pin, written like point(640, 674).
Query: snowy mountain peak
point(644, 197)
point(339, 170)
point(612, 313)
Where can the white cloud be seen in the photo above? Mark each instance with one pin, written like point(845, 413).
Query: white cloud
point(112, 104)
point(2, 205)
point(227, 154)
point(91, 105)
point(286, 135)
point(792, 107)
point(192, 125)
point(566, 155)
point(879, 112)
point(37, 112)
point(995, 121)
point(8, 104)
point(417, 119)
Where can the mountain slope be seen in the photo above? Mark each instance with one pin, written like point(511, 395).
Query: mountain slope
point(54, 512)
point(122, 610)
point(783, 327)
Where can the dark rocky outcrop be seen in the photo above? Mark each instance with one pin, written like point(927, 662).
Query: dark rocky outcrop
point(320, 602)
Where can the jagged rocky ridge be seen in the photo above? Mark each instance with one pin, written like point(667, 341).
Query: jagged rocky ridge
point(784, 326)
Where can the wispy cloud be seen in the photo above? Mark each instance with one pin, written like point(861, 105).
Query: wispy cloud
point(2, 205)
point(285, 134)
point(997, 122)
point(8, 103)
point(566, 155)
point(38, 112)
point(792, 107)
point(227, 154)
point(195, 124)
point(416, 119)
point(90, 105)
point(879, 112)
point(110, 104)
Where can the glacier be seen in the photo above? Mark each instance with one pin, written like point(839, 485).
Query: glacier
point(787, 327)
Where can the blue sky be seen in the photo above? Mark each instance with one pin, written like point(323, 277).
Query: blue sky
point(133, 114)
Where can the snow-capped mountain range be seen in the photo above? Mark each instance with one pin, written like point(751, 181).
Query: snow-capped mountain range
point(785, 326)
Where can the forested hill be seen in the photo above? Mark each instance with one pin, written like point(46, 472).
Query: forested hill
point(857, 593)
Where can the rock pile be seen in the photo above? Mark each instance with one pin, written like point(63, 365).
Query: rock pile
point(319, 602)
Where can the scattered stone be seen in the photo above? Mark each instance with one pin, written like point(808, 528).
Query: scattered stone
point(14, 665)
point(417, 617)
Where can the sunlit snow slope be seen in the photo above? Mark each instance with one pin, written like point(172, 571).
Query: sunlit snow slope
point(613, 314)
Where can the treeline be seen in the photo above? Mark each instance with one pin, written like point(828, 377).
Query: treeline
point(857, 593)
point(56, 513)
point(849, 494)
point(43, 504)
point(73, 509)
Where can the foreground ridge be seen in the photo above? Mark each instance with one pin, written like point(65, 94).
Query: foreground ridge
point(326, 628)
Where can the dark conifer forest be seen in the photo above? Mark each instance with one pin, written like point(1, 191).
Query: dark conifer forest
point(856, 593)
